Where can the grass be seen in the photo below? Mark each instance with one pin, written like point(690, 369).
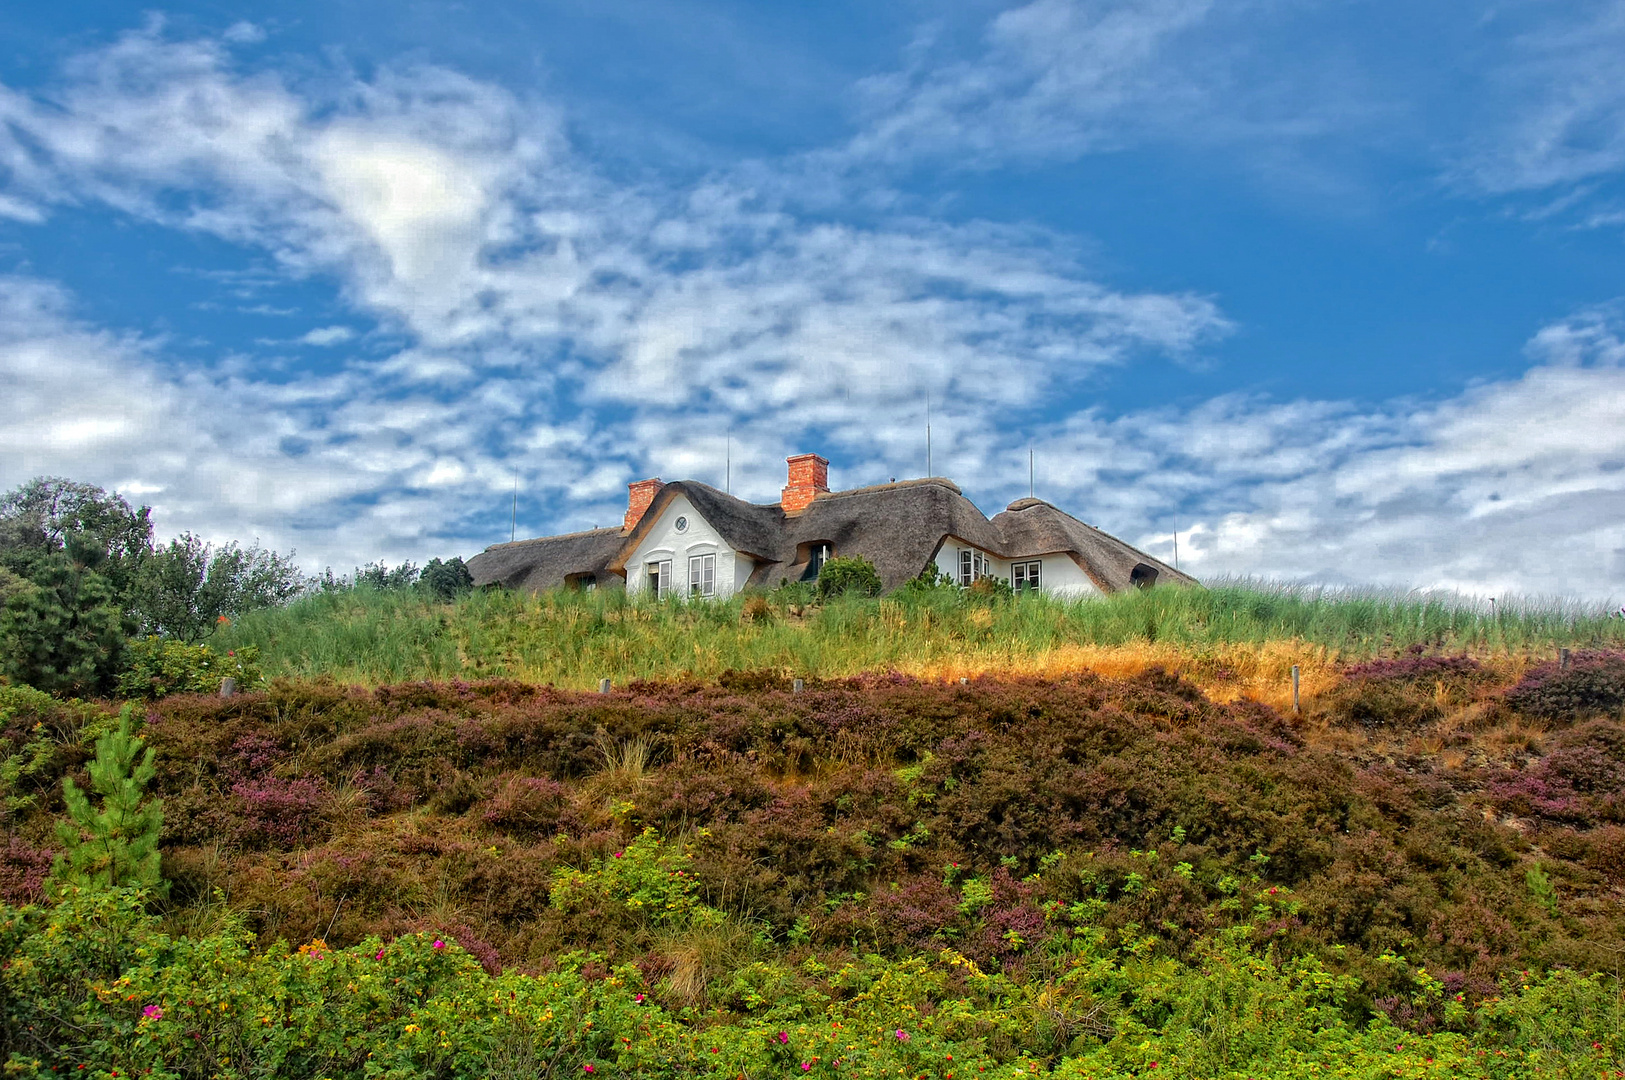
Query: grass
point(1236, 637)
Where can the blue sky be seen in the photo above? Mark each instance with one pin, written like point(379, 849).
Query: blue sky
point(1335, 286)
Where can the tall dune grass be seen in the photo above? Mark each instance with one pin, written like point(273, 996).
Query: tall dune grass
point(574, 639)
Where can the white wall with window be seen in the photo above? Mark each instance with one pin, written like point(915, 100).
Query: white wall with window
point(1057, 574)
point(682, 555)
point(965, 563)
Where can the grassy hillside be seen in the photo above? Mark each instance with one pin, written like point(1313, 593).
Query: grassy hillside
point(1083, 876)
point(1234, 639)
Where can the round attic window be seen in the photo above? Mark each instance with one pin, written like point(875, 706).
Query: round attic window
point(681, 524)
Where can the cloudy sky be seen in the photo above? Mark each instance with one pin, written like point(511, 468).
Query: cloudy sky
point(1335, 286)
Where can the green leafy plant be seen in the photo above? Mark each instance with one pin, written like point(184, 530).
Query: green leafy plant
point(116, 845)
point(159, 667)
point(848, 574)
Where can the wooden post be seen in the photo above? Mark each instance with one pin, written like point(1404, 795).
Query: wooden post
point(603, 684)
point(228, 686)
point(1562, 659)
point(1294, 687)
point(799, 686)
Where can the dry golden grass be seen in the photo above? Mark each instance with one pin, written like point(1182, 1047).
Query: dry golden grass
point(1225, 673)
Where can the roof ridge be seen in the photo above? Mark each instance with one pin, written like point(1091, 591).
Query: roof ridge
point(556, 536)
point(919, 481)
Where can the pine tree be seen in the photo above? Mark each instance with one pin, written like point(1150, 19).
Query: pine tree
point(117, 845)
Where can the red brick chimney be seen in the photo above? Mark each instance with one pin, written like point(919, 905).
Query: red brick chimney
point(809, 474)
point(639, 494)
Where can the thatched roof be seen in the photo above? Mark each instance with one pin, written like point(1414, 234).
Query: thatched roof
point(747, 527)
point(534, 565)
point(897, 526)
point(1034, 527)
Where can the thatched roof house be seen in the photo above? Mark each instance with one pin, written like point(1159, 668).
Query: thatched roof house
point(695, 539)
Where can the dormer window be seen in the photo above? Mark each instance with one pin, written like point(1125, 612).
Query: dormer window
point(815, 555)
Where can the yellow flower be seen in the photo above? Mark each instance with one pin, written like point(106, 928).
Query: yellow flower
point(410, 1028)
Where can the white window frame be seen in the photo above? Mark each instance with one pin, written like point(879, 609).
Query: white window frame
point(1025, 575)
point(702, 575)
point(973, 565)
point(661, 574)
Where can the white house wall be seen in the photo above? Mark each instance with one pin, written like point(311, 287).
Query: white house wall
point(1061, 576)
point(665, 542)
point(1058, 574)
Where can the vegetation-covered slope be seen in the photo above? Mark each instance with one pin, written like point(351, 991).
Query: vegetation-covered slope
point(1126, 859)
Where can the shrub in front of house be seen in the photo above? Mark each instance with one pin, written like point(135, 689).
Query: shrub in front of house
point(853, 574)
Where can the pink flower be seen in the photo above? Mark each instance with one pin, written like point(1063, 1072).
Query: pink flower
point(783, 1038)
point(618, 854)
point(902, 1036)
point(439, 944)
point(589, 1068)
point(638, 998)
point(153, 1012)
point(380, 954)
point(806, 1066)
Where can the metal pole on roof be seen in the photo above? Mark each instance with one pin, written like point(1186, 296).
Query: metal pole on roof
point(928, 431)
point(728, 476)
point(513, 525)
point(1030, 485)
point(1176, 539)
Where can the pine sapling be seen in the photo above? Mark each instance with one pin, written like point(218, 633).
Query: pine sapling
point(116, 846)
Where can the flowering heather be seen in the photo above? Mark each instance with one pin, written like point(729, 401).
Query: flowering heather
point(686, 833)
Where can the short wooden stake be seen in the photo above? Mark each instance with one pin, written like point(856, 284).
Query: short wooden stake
point(228, 686)
point(1294, 687)
point(1562, 659)
point(603, 686)
point(799, 686)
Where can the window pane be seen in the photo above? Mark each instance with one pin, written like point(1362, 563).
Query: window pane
point(965, 570)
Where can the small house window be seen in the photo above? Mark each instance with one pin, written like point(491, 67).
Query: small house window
point(702, 575)
point(972, 565)
point(681, 524)
point(1024, 575)
point(660, 578)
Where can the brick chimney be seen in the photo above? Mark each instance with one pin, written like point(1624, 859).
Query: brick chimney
point(809, 474)
point(639, 494)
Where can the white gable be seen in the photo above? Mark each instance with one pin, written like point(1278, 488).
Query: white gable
point(696, 538)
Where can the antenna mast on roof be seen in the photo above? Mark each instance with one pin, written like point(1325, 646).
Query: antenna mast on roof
point(513, 525)
point(728, 476)
point(1176, 539)
point(928, 431)
point(1030, 485)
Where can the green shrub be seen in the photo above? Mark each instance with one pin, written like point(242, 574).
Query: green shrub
point(159, 667)
point(852, 574)
point(66, 634)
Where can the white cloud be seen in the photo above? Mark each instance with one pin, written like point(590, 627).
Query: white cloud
point(583, 333)
point(327, 335)
point(1554, 110)
point(1515, 486)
